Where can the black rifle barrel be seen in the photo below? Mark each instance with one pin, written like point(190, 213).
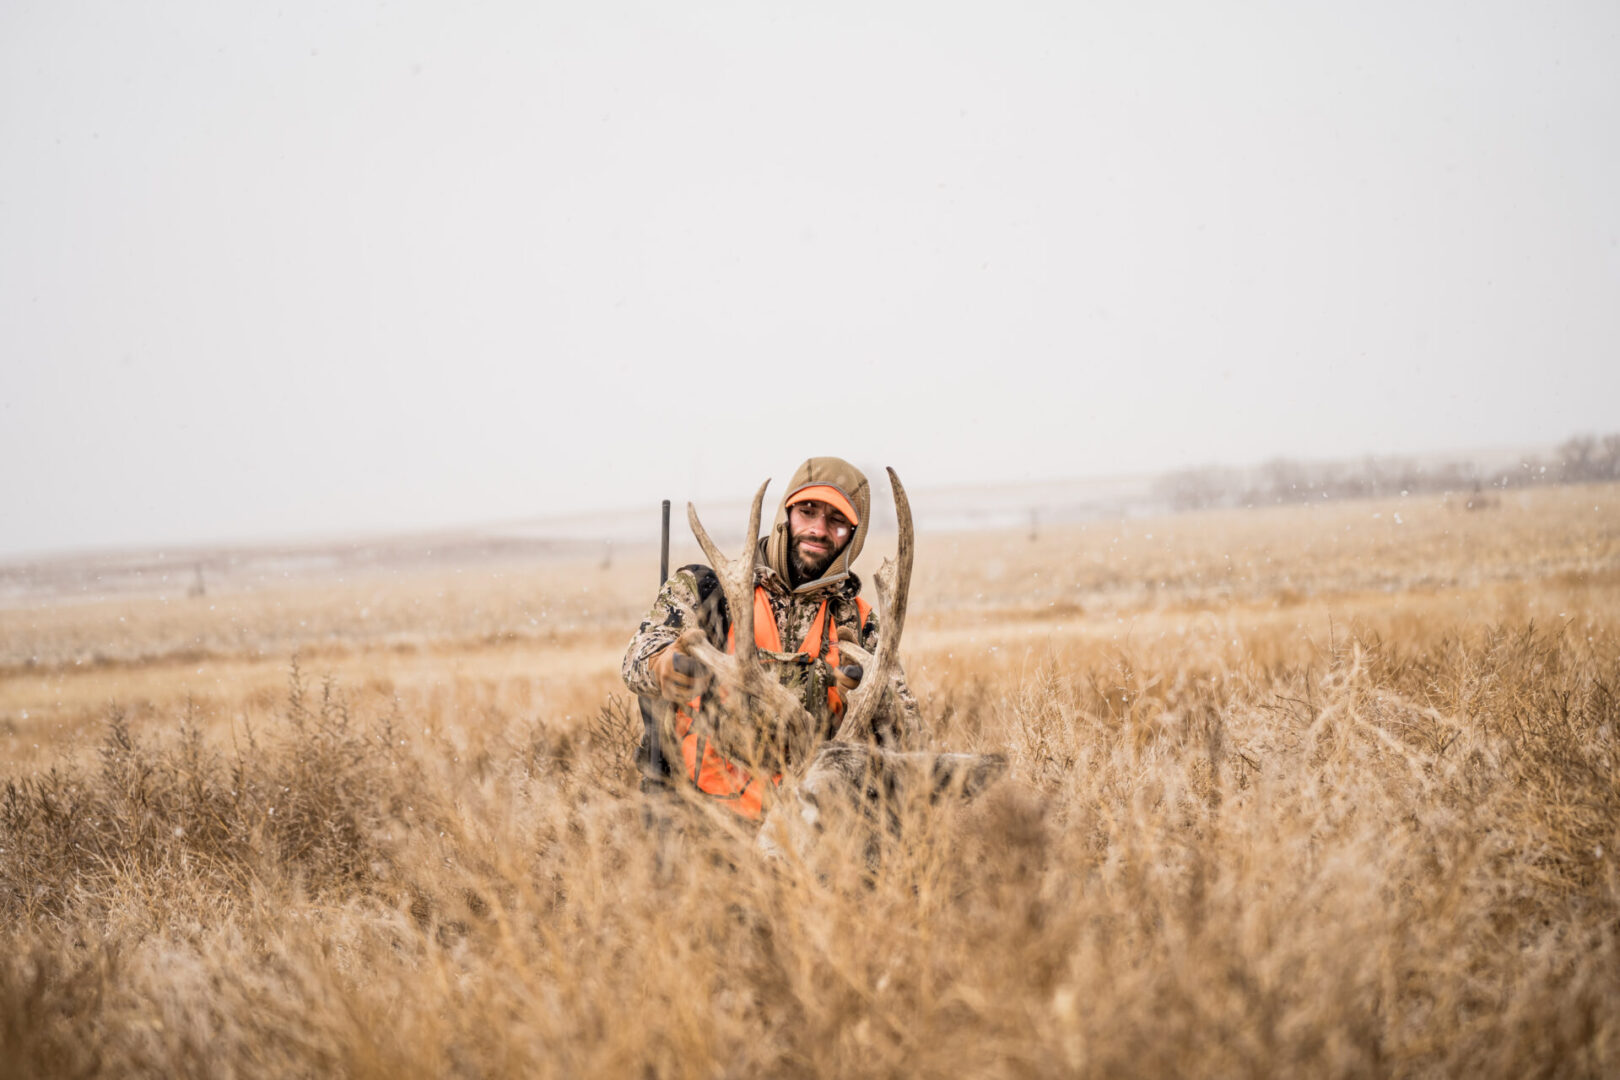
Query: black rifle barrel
point(663, 550)
point(650, 712)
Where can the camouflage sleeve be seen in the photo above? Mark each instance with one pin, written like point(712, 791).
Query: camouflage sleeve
point(898, 723)
point(674, 610)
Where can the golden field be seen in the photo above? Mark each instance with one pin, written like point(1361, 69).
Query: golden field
point(1326, 790)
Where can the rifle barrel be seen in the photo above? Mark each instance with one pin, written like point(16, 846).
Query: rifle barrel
point(663, 551)
point(651, 712)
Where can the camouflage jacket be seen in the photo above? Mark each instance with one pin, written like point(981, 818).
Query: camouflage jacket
point(692, 597)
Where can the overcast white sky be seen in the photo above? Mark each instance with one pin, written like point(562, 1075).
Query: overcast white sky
point(320, 267)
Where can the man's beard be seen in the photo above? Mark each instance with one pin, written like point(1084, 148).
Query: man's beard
point(807, 567)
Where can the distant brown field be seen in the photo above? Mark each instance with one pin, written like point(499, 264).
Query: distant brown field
point(1317, 790)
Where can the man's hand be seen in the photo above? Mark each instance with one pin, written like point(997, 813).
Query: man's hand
point(680, 678)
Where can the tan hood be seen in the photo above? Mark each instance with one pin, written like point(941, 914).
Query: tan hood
point(847, 479)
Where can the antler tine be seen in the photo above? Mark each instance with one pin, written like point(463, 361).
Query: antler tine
point(736, 575)
point(893, 590)
point(905, 552)
point(710, 552)
point(742, 604)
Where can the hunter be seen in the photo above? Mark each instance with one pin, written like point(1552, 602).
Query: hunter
point(804, 595)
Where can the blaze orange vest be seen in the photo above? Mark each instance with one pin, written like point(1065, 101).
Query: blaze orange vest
point(717, 776)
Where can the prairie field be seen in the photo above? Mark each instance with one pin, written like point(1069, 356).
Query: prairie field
point(1315, 790)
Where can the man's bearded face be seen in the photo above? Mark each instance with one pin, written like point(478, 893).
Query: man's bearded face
point(816, 535)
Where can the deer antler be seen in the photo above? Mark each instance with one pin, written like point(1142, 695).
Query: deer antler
point(893, 581)
point(752, 691)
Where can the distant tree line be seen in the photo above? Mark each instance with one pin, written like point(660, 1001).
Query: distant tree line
point(1579, 460)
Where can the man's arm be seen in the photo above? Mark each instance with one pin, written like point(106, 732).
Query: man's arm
point(682, 602)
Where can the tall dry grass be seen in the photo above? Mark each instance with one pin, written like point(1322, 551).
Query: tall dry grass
point(1238, 839)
